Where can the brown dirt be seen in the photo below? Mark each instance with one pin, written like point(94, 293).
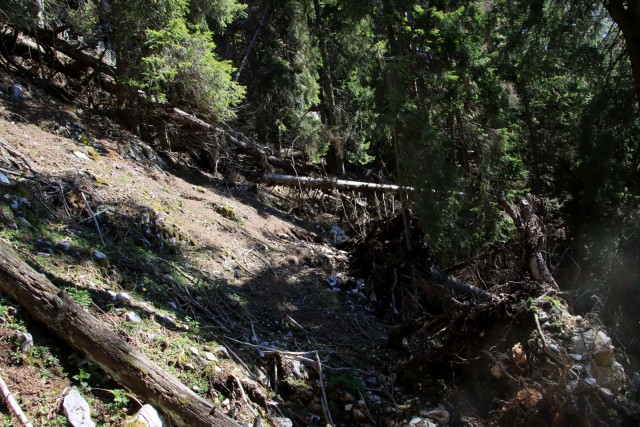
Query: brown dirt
point(271, 270)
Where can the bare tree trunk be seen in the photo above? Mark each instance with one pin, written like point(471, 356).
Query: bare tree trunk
point(335, 156)
point(626, 13)
point(123, 362)
point(254, 39)
point(328, 183)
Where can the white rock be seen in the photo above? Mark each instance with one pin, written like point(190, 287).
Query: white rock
point(147, 415)
point(122, 297)
point(81, 155)
point(282, 422)
point(4, 180)
point(210, 356)
point(26, 341)
point(133, 317)
point(77, 410)
point(603, 350)
point(194, 351)
point(16, 92)
point(348, 407)
point(440, 415)
point(99, 255)
point(612, 377)
point(420, 422)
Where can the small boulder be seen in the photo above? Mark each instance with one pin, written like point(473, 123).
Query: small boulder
point(77, 410)
point(4, 180)
point(132, 316)
point(16, 92)
point(147, 416)
point(611, 377)
point(439, 415)
point(282, 422)
point(603, 350)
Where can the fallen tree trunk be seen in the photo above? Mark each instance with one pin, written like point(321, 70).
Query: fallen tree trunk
point(460, 287)
point(123, 362)
point(248, 149)
point(328, 183)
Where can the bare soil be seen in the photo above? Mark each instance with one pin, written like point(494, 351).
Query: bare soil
point(227, 266)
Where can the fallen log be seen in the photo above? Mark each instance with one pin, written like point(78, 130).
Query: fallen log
point(459, 287)
point(122, 361)
point(328, 183)
point(246, 148)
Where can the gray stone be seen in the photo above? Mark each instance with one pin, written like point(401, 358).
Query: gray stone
point(122, 297)
point(211, 357)
point(77, 410)
point(439, 415)
point(611, 377)
point(16, 92)
point(4, 180)
point(25, 340)
point(603, 350)
point(132, 316)
point(147, 415)
point(282, 422)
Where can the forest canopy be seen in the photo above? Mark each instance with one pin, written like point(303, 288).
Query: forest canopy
point(459, 100)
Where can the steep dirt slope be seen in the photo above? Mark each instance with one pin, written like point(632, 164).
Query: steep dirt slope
point(182, 266)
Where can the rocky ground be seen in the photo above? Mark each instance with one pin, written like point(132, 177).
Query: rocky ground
point(247, 304)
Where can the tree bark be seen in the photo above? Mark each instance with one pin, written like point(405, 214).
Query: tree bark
point(458, 286)
point(328, 183)
point(254, 39)
point(335, 156)
point(626, 13)
point(123, 362)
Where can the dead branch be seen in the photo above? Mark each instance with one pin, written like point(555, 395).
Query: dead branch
point(328, 183)
point(251, 150)
point(12, 404)
point(93, 216)
point(323, 396)
point(459, 286)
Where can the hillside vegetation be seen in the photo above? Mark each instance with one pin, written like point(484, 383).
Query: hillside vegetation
point(319, 212)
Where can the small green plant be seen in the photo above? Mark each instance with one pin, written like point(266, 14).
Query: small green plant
point(120, 398)
point(83, 378)
point(81, 296)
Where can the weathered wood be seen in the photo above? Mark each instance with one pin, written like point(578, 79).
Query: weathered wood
point(122, 361)
point(246, 148)
point(254, 39)
point(328, 183)
point(459, 286)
